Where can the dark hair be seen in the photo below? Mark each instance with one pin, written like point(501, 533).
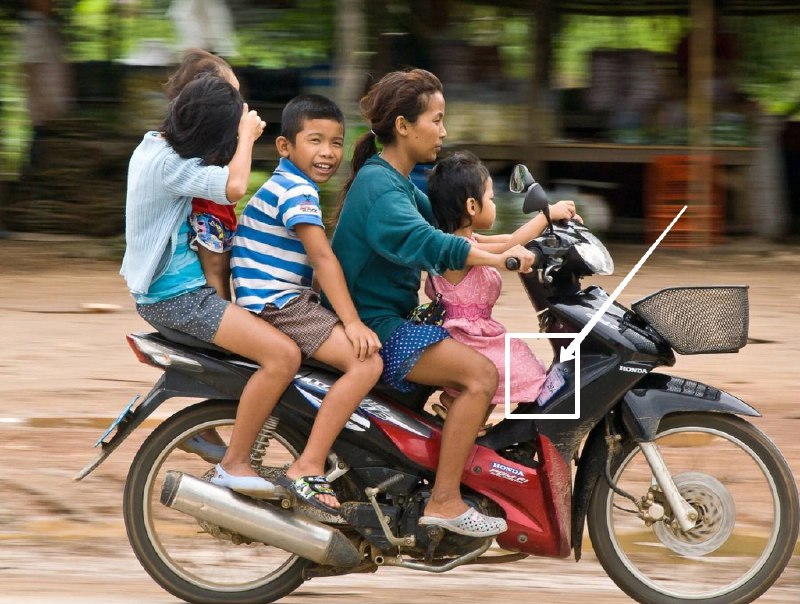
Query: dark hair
point(399, 93)
point(203, 120)
point(451, 183)
point(195, 61)
point(307, 107)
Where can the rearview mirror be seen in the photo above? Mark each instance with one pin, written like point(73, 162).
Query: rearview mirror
point(521, 179)
point(536, 200)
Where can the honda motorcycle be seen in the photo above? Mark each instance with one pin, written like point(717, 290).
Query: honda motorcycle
point(684, 499)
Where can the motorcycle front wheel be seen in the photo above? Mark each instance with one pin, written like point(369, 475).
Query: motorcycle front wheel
point(194, 561)
point(747, 503)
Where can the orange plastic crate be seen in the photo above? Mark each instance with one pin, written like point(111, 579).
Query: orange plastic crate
point(668, 187)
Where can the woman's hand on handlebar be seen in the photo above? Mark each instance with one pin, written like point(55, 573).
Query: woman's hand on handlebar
point(523, 256)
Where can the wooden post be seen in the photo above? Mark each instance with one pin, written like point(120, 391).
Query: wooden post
point(350, 63)
point(701, 101)
point(541, 41)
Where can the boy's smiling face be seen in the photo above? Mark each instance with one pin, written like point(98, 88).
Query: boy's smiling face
point(317, 149)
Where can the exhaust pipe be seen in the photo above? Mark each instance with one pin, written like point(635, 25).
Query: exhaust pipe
point(258, 521)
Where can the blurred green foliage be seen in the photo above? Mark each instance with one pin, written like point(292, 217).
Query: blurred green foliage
point(582, 34)
point(301, 34)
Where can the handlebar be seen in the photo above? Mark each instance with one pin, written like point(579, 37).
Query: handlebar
point(513, 263)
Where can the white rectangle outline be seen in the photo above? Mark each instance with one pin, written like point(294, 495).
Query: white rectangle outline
point(507, 399)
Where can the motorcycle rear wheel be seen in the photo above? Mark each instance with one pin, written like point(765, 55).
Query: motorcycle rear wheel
point(743, 489)
point(175, 549)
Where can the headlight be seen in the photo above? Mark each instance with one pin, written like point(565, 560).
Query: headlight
point(595, 255)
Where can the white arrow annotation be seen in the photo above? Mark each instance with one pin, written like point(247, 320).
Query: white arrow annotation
point(568, 353)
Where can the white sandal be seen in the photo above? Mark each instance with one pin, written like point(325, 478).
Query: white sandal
point(253, 486)
point(471, 524)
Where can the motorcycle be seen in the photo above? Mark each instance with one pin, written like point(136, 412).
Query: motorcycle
point(684, 499)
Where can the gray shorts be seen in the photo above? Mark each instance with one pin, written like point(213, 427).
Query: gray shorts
point(197, 313)
point(304, 320)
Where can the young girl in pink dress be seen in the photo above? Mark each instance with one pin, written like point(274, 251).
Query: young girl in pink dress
point(462, 197)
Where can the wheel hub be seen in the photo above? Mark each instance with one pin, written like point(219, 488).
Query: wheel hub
point(716, 516)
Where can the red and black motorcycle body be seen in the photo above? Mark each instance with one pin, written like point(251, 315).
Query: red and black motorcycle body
point(521, 468)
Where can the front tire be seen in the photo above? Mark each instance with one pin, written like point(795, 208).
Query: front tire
point(747, 499)
point(187, 558)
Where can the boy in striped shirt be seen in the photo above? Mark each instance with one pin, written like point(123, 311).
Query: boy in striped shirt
point(279, 248)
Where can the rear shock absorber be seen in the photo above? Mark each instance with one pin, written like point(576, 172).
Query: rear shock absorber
point(262, 441)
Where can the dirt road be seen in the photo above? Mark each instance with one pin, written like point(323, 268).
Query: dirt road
point(65, 373)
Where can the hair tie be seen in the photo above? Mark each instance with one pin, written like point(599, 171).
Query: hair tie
point(372, 132)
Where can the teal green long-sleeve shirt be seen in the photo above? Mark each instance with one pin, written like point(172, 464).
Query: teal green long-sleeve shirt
point(384, 239)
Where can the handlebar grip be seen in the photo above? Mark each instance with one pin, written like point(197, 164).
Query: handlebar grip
point(512, 264)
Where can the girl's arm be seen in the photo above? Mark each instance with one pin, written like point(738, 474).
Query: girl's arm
point(251, 126)
point(328, 272)
point(563, 210)
point(491, 238)
point(480, 257)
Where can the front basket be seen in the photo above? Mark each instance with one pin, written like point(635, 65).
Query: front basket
point(698, 320)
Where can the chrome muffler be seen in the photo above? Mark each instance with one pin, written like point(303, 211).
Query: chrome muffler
point(258, 521)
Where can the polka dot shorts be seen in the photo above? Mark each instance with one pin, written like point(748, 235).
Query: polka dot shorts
point(197, 313)
point(402, 351)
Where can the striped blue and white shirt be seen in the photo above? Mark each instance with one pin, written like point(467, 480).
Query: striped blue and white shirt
point(269, 264)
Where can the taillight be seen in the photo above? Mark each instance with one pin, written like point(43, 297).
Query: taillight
point(158, 356)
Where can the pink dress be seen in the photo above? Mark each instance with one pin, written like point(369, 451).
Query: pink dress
point(468, 318)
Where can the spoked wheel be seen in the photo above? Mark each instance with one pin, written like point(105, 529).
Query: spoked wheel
point(747, 504)
point(190, 559)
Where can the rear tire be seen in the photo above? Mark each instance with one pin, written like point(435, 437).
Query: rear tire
point(664, 565)
point(174, 548)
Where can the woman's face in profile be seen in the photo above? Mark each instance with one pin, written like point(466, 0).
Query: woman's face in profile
point(425, 136)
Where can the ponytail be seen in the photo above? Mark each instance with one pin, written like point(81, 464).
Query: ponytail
point(364, 149)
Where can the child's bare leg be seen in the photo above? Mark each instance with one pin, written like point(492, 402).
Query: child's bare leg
point(217, 269)
point(446, 400)
point(279, 358)
point(337, 406)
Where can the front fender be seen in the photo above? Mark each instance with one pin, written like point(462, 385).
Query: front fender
point(657, 395)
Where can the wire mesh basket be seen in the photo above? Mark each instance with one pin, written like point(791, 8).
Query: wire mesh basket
point(698, 320)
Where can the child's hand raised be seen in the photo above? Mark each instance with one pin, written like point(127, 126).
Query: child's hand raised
point(564, 210)
point(251, 125)
point(365, 341)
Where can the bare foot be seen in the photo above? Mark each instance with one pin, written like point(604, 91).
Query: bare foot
point(448, 507)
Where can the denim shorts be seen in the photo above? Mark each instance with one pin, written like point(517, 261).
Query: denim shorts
point(402, 351)
point(197, 313)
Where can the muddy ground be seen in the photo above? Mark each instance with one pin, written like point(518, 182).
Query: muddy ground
point(66, 372)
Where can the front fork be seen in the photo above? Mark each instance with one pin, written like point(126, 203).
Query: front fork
point(650, 510)
point(682, 512)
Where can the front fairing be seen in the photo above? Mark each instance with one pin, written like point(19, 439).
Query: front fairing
point(613, 333)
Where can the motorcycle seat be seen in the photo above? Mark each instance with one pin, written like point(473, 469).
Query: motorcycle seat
point(412, 400)
point(184, 338)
